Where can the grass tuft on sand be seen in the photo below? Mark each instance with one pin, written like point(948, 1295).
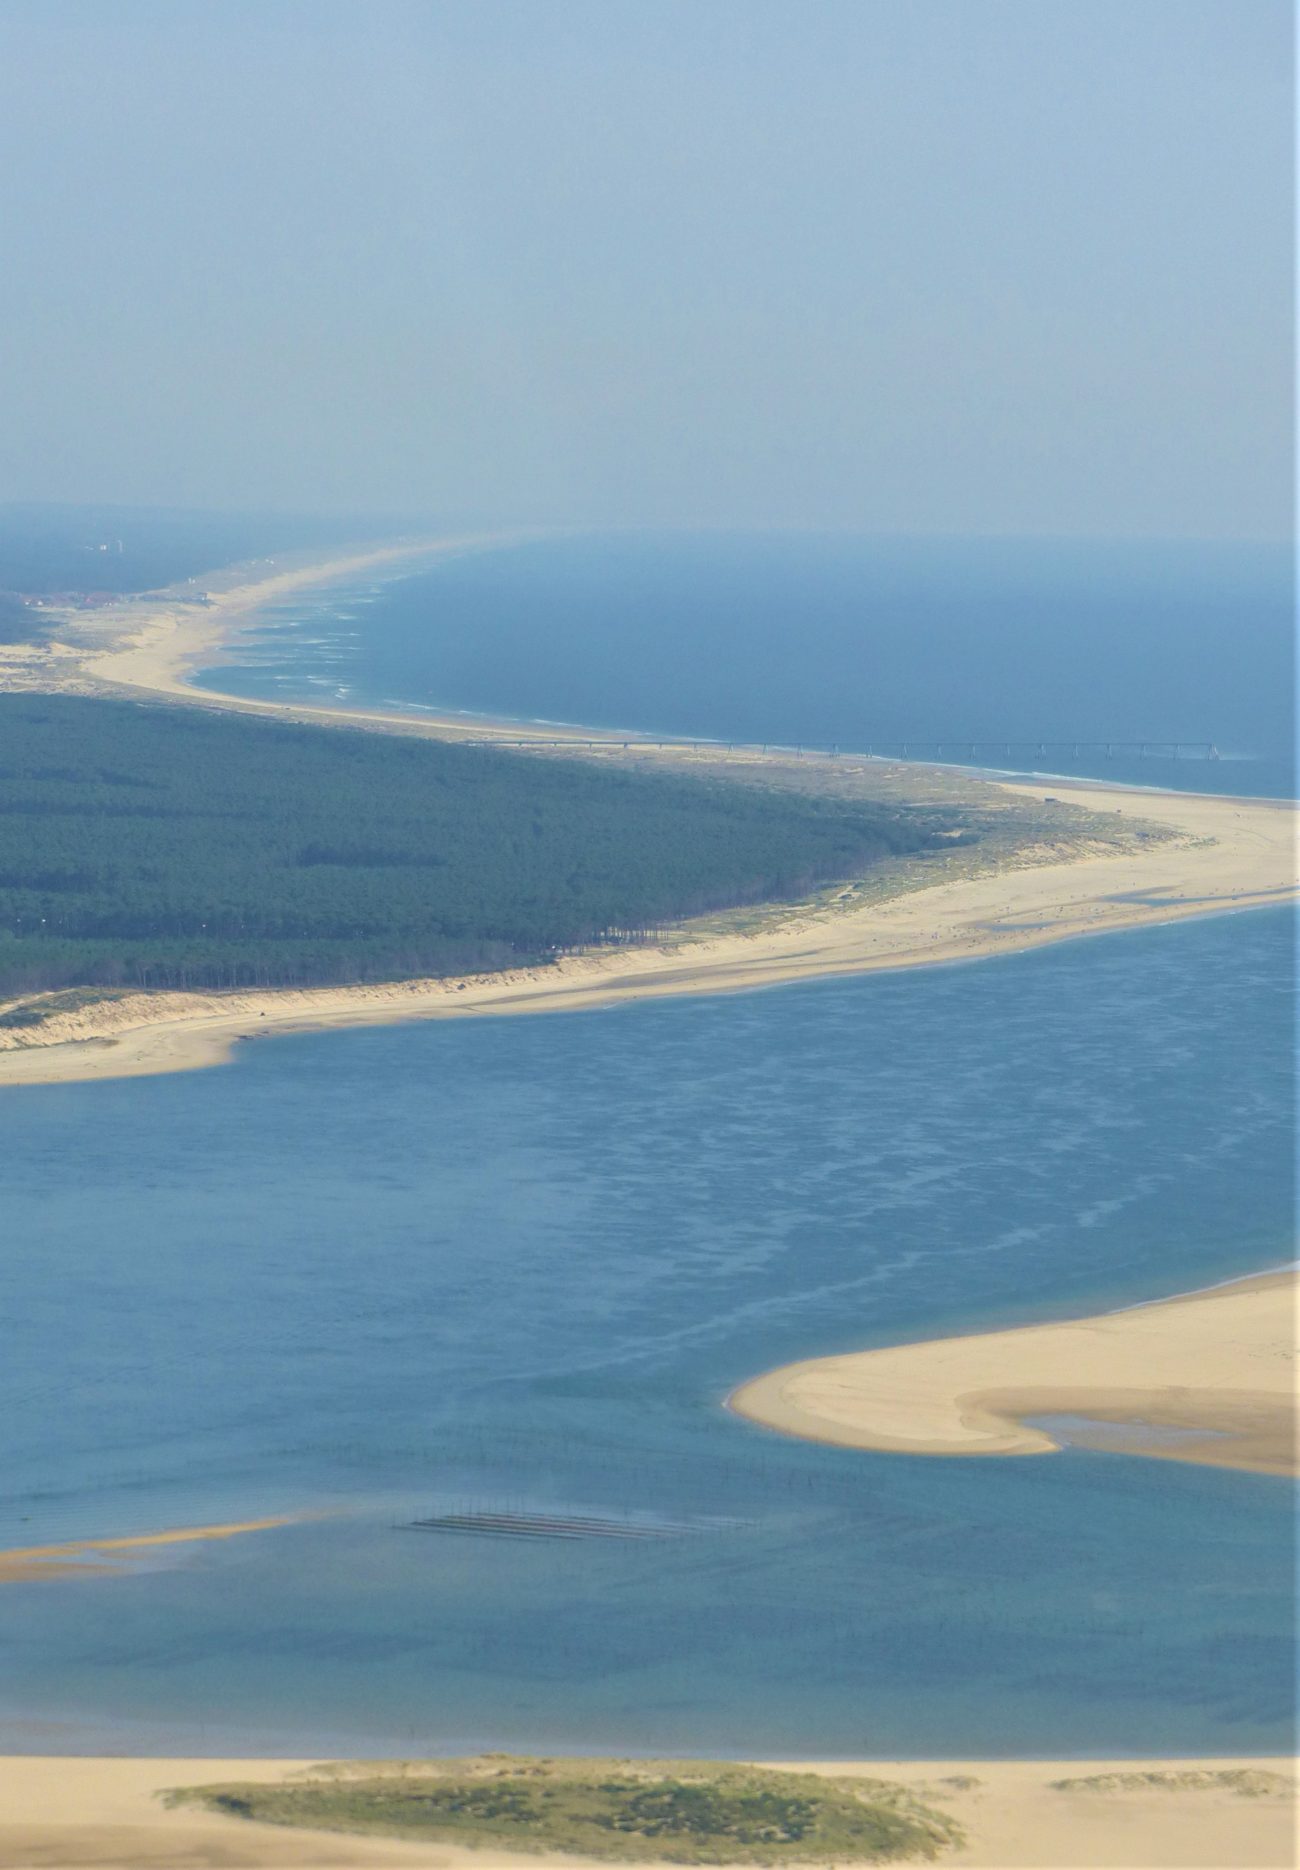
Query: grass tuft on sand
point(1245, 1782)
point(674, 1811)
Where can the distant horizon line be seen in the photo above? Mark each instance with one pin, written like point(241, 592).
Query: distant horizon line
point(396, 523)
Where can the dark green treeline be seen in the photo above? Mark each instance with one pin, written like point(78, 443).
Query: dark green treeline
point(177, 847)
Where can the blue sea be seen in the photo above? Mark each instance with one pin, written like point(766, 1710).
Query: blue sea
point(516, 1265)
point(828, 641)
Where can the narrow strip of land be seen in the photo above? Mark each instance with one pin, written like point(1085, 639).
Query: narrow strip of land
point(1222, 854)
point(1209, 1377)
point(1129, 858)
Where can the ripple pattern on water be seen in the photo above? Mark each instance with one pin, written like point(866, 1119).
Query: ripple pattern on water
point(515, 1265)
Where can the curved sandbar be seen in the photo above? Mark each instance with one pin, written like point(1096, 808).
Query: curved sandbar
point(1210, 1377)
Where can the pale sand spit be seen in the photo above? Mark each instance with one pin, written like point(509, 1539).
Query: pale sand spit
point(75, 1814)
point(80, 1557)
point(1210, 1378)
point(148, 642)
point(154, 641)
point(151, 642)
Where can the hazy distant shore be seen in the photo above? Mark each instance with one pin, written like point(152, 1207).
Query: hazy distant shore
point(1017, 1814)
point(1216, 854)
point(1207, 1377)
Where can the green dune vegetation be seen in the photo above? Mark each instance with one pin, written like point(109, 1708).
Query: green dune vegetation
point(155, 846)
point(1245, 1782)
point(627, 1810)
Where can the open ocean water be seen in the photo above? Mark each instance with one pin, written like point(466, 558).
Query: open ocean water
point(517, 1264)
point(827, 640)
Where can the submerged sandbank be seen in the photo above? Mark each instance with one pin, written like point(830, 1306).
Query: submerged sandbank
point(1017, 1814)
point(81, 1557)
point(1209, 1377)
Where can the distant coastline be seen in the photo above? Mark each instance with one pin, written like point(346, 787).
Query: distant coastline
point(1177, 855)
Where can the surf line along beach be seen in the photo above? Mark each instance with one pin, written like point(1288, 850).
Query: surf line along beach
point(1166, 855)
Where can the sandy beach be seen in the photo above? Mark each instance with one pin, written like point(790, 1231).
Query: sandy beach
point(62, 1814)
point(1209, 1377)
point(152, 640)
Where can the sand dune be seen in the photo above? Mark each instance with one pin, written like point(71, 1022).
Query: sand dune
point(72, 1814)
point(1209, 1378)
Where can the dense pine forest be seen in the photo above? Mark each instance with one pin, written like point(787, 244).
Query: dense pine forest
point(157, 846)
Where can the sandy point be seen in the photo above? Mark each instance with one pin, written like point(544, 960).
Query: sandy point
point(1208, 1377)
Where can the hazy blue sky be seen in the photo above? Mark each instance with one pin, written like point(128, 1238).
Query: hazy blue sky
point(917, 265)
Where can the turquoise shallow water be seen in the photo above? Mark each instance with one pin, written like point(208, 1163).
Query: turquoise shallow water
point(518, 1263)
